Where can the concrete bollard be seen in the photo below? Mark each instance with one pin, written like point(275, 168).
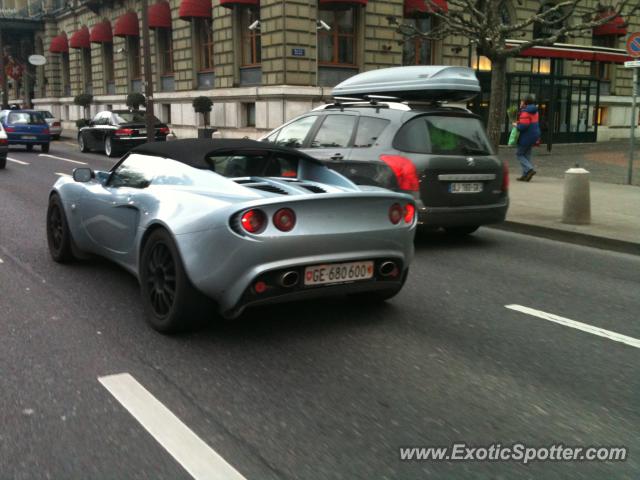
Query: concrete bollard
point(577, 198)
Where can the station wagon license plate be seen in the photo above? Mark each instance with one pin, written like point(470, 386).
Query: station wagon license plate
point(465, 187)
point(338, 273)
point(29, 137)
point(142, 131)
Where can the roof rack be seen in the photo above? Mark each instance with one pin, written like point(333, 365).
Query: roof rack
point(370, 101)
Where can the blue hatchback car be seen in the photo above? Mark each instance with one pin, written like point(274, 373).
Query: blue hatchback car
point(26, 127)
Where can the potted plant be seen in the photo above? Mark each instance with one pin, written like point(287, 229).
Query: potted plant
point(83, 100)
point(203, 105)
point(135, 100)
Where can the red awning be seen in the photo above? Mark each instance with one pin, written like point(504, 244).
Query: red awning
point(615, 26)
point(59, 44)
point(194, 9)
point(160, 15)
point(80, 39)
point(417, 7)
point(575, 52)
point(342, 3)
point(127, 25)
point(233, 3)
point(101, 33)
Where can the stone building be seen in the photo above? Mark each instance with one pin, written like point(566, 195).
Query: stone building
point(264, 61)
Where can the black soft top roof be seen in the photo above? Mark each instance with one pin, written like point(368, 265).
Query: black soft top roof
point(194, 151)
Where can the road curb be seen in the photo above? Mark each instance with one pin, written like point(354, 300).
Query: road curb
point(584, 239)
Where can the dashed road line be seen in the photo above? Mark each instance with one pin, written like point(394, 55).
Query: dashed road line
point(195, 456)
point(585, 327)
point(20, 162)
point(60, 174)
point(1, 260)
point(63, 159)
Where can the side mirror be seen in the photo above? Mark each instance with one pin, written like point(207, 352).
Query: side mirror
point(83, 175)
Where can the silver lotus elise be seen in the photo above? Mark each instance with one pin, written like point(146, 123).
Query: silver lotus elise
point(230, 224)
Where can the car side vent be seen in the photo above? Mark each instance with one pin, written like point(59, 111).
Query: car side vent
point(265, 187)
point(313, 188)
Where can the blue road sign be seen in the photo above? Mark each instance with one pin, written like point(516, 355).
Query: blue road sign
point(633, 44)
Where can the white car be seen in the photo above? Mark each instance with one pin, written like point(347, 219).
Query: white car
point(55, 125)
point(4, 147)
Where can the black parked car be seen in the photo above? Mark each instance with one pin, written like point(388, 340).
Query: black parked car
point(116, 132)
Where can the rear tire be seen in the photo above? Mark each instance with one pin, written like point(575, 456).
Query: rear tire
point(170, 301)
point(82, 144)
point(58, 234)
point(461, 231)
point(29, 148)
point(45, 148)
point(56, 137)
point(3, 163)
point(109, 149)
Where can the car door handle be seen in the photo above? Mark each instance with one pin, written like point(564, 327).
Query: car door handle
point(337, 156)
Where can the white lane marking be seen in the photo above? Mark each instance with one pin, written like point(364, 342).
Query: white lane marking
point(195, 456)
point(62, 158)
point(17, 161)
point(62, 174)
point(601, 332)
point(1, 260)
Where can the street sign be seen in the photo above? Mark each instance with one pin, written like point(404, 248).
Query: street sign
point(37, 60)
point(632, 64)
point(633, 45)
point(297, 52)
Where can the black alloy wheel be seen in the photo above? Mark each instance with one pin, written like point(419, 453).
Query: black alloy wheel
point(58, 234)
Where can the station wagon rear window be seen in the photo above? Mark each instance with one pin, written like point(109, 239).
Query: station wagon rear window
point(443, 135)
point(132, 117)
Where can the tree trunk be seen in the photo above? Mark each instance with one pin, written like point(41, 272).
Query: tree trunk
point(497, 101)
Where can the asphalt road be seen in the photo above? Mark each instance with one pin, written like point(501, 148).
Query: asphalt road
point(317, 390)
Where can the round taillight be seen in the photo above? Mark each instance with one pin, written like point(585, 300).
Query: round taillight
point(253, 221)
point(284, 219)
point(409, 212)
point(395, 213)
point(260, 287)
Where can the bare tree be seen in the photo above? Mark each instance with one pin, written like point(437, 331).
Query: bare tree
point(480, 21)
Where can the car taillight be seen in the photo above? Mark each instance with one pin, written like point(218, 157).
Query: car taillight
point(404, 170)
point(409, 212)
point(284, 219)
point(396, 212)
point(46, 131)
point(505, 177)
point(56, 124)
point(124, 131)
point(4, 141)
point(163, 130)
point(253, 221)
point(9, 129)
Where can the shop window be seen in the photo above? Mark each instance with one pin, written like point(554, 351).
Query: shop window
point(86, 70)
point(135, 70)
point(418, 50)
point(337, 46)
point(480, 62)
point(204, 44)
point(165, 50)
point(251, 45)
point(541, 66)
point(107, 59)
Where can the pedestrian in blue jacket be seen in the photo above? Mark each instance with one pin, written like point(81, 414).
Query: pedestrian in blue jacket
point(529, 126)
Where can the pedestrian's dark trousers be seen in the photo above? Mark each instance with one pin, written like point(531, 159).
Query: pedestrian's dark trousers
point(524, 156)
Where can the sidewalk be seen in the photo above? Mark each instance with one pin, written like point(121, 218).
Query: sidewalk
point(536, 208)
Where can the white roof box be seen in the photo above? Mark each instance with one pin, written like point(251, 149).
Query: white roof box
point(428, 82)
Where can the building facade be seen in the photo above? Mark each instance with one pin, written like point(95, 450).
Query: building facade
point(263, 62)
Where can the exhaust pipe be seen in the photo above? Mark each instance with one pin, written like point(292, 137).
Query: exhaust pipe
point(388, 269)
point(289, 279)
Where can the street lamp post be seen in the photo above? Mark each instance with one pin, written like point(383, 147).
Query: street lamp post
point(148, 81)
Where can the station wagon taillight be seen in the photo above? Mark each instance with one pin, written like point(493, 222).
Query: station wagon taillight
point(253, 221)
point(4, 141)
point(163, 130)
point(505, 177)
point(56, 124)
point(404, 170)
point(46, 131)
point(9, 129)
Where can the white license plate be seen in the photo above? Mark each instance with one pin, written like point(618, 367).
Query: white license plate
point(338, 273)
point(466, 187)
point(142, 132)
point(29, 137)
